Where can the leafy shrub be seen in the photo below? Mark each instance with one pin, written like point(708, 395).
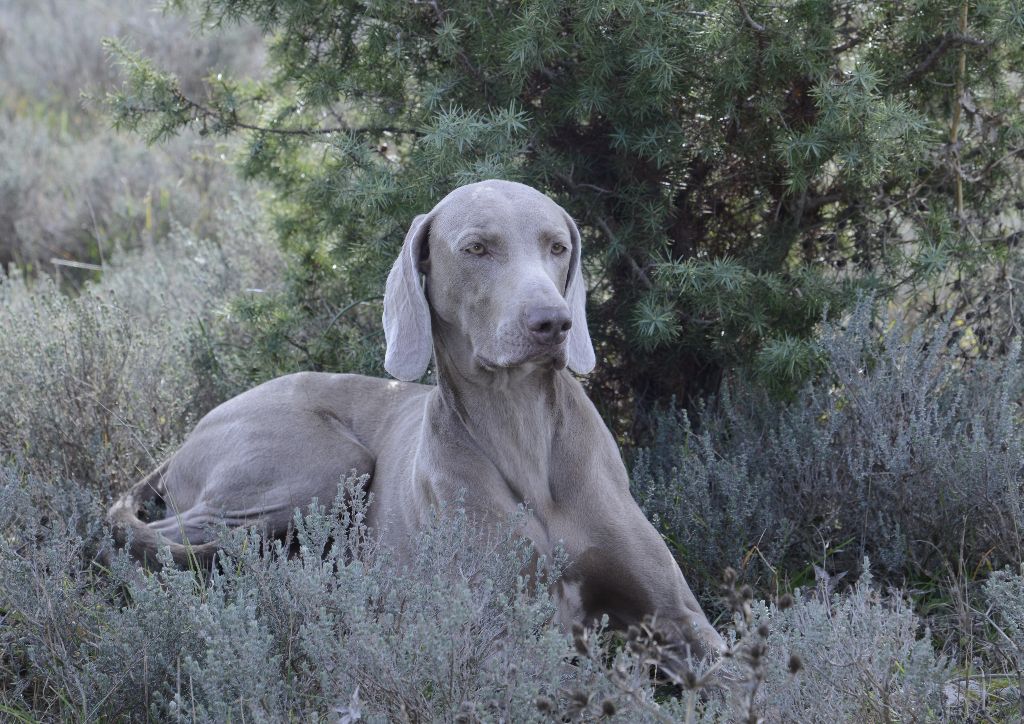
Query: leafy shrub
point(903, 451)
point(95, 387)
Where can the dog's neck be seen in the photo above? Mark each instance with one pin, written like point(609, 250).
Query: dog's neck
point(514, 415)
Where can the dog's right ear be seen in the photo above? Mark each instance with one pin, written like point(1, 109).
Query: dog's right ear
point(406, 315)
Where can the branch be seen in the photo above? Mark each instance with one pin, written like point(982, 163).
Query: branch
point(852, 42)
point(947, 43)
point(206, 112)
point(818, 201)
point(467, 64)
point(758, 28)
point(954, 127)
point(641, 275)
point(575, 185)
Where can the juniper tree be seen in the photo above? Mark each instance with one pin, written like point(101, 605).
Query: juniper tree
point(736, 168)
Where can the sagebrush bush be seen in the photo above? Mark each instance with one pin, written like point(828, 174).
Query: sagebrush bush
point(82, 196)
point(904, 450)
point(863, 657)
point(97, 386)
point(337, 629)
point(1004, 595)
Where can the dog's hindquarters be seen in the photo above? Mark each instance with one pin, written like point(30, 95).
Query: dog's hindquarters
point(258, 457)
point(143, 541)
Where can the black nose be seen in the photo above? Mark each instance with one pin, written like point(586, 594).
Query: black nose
point(548, 325)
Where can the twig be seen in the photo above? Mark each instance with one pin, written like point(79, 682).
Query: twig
point(641, 275)
point(57, 261)
point(954, 128)
point(574, 185)
point(348, 308)
point(947, 43)
point(758, 27)
point(207, 112)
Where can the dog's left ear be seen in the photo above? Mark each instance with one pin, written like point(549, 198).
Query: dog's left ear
point(579, 349)
point(406, 314)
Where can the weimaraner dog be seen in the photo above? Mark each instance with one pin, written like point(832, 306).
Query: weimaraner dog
point(501, 310)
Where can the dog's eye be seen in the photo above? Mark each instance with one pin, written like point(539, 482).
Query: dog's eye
point(476, 248)
point(558, 248)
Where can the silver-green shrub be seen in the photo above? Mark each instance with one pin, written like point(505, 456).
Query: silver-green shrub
point(52, 51)
point(1004, 594)
point(81, 195)
point(903, 450)
point(863, 658)
point(326, 626)
point(334, 628)
point(97, 386)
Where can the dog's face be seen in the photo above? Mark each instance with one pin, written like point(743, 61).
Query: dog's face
point(496, 270)
point(503, 282)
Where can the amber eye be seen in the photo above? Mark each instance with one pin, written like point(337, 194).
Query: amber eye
point(558, 248)
point(476, 248)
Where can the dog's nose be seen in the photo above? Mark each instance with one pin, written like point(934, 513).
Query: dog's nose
point(548, 325)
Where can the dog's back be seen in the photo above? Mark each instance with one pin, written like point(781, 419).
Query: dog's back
point(270, 450)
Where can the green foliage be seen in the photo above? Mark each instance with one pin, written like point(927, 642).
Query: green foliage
point(735, 169)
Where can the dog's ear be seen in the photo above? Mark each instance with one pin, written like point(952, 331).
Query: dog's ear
point(406, 315)
point(579, 348)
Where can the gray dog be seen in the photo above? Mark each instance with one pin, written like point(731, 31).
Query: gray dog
point(502, 313)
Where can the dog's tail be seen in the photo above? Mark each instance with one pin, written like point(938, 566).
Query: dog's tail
point(145, 542)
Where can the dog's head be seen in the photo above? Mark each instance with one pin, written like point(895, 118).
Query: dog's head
point(503, 284)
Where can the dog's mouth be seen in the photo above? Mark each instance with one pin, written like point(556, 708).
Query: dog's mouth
point(534, 356)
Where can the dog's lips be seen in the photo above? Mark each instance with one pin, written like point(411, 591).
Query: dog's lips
point(533, 353)
point(556, 353)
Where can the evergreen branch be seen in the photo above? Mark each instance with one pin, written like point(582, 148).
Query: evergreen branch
point(603, 225)
point(641, 275)
point(758, 27)
point(854, 36)
point(849, 44)
point(349, 307)
point(576, 185)
point(464, 60)
point(1012, 153)
point(947, 43)
point(954, 128)
point(817, 202)
point(207, 112)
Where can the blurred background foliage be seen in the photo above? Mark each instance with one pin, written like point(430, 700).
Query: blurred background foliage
point(70, 189)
